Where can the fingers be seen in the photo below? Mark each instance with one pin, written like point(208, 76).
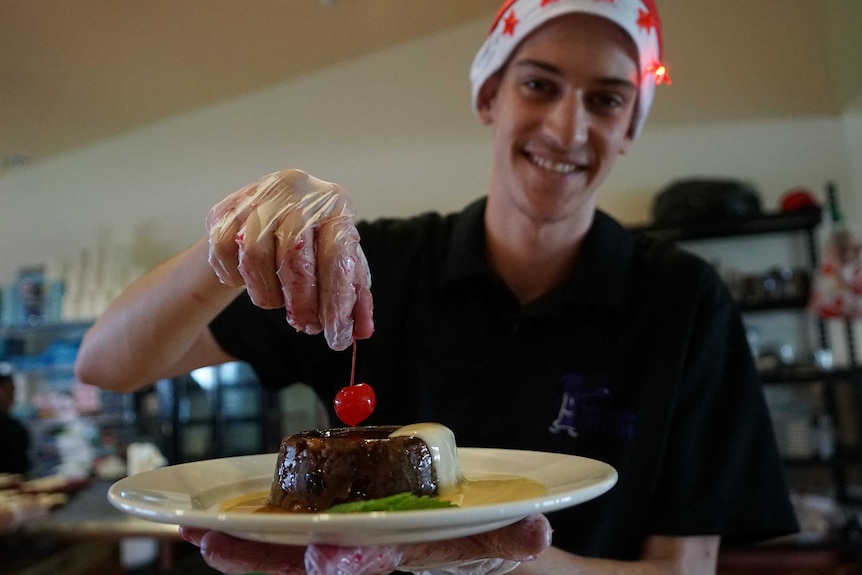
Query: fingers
point(223, 225)
point(290, 239)
point(297, 276)
point(340, 273)
point(230, 555)
point(331, 560)
point(192, 534)
point(502, 548)
point(363, 322)
point(256, 264)
point(497, 551)
point(521, 541)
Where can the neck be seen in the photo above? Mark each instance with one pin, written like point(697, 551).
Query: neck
point(533, 257)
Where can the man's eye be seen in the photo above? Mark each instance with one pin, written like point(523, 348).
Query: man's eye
point(538, 87)
point(608, 101)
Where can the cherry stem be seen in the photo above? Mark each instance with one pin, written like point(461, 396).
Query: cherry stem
point(353, 363)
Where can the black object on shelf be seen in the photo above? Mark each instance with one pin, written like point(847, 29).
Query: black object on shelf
point(800, 220)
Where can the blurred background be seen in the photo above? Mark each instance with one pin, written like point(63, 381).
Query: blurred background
point(122, 123)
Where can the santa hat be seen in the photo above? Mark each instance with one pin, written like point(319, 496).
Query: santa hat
point(518, 18)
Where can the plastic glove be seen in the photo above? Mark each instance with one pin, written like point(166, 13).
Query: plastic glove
point(382, 560)
point(492, 553)
point(290, 239)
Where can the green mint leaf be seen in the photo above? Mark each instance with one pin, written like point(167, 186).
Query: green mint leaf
point(399, 502)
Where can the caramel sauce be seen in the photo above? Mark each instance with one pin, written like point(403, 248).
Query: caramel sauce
point(489, 490)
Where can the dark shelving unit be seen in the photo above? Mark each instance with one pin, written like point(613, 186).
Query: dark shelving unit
point(217, 411)
point(845, 457)
point(42, 355)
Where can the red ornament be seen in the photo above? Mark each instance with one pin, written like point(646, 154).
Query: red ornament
point(797, 199)
point(354, 403)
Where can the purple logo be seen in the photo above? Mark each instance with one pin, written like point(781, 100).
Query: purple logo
point(588, 411)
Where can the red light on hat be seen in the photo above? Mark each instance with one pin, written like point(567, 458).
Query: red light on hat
point(661, 74)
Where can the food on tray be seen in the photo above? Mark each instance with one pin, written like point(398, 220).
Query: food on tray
point(10, 499)
point(9, 480)
point(54, 484)
point(318, 469)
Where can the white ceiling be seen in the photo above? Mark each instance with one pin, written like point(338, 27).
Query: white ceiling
point(73, 72)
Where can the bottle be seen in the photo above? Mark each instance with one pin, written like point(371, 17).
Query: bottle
point(825, 434)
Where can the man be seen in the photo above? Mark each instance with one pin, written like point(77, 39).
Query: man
point(499, 321)
point(15, 442)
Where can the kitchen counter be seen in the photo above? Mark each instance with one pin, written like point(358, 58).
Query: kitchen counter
point(88, 536)
point(89, 514)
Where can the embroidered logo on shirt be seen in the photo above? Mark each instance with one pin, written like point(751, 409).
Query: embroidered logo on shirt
point(587, 411)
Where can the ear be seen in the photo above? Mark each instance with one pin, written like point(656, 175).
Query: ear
point(486, 98)
point(627, 144)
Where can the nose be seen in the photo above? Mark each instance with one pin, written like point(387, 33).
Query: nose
point(567, 122)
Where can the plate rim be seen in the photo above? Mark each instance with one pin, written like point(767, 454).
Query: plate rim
point(331, 527)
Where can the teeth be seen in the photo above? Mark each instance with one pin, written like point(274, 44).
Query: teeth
point(559, 167)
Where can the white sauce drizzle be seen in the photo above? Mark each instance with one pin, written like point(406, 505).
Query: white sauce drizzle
point(441, 443)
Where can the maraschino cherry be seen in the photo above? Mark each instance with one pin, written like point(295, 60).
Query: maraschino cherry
point(354, 403)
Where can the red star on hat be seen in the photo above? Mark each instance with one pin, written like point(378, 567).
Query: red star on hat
point(647, 20)
point(511, 22)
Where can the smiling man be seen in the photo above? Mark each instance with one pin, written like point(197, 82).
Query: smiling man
point(529, 320)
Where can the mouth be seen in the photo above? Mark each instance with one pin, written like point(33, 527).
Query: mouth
point(552, 165)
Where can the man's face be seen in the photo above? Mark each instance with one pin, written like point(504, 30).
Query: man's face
point(561, 113)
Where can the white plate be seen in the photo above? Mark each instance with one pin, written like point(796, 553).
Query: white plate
point(190, 493)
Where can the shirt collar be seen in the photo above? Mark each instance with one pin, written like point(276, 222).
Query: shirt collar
point(602, 275)
point(465, 256)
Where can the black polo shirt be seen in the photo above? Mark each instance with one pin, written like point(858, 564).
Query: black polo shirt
point(639, 360)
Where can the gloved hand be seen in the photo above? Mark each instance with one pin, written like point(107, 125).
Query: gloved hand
point(290, 239)
point(492, 553)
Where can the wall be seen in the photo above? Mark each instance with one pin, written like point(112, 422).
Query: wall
point(845, 46)
point(395, 128)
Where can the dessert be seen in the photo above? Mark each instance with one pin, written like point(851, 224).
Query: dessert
point(321, 468)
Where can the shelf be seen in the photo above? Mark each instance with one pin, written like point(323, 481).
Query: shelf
point(808, 462)
point(27, 365)
point(9, 331)
point(102, 420)
point(809, 374)
point(794, 304)
point(800, 220)
point(209, 419)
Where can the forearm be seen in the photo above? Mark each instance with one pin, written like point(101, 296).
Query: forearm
point(151, 330)
point(557, 562)
point(661, 556)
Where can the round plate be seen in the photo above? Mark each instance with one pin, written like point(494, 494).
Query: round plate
point(190, 493)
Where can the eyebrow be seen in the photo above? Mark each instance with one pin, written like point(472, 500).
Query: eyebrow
point(550, 68)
